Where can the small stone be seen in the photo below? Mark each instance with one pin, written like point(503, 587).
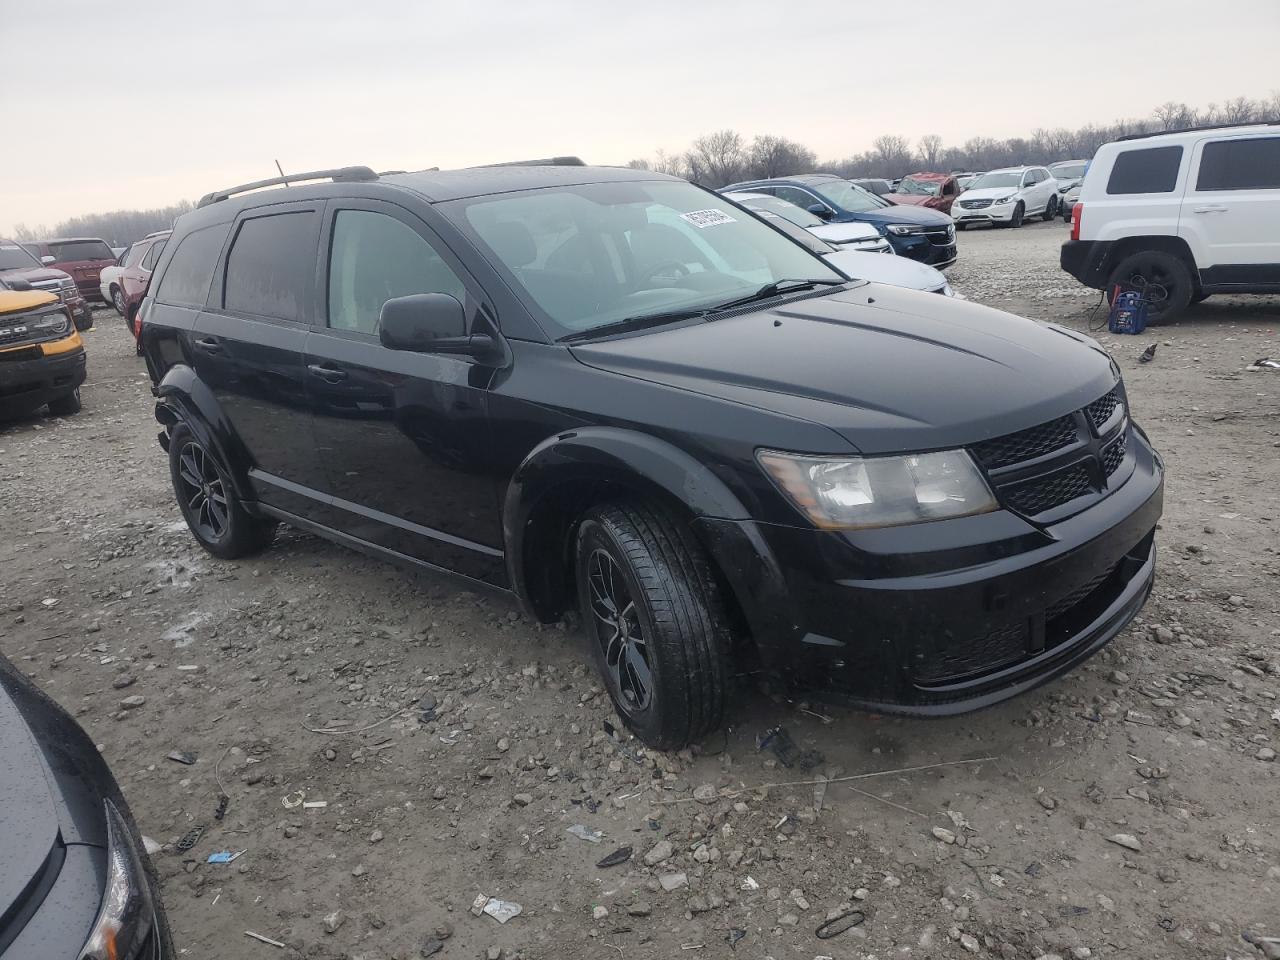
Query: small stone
point(333, 921)
point(358, 870)
point(706, 793)
point(124, 680)
point(945, 835)
point(133, 702)
point(330, 754)
point(1046, 801)
point(1266, 754)
point(522, 799)
point(439, 793)
point(673, 881)
point(969, 942)
point(1126, 840)
point(788, 920)
point(600, 913)
point(375, 837)
point(493, 953)
point(1081, 953)
point(1118, 677)
point(639, 909)
point(661, 851)
point(431, 946)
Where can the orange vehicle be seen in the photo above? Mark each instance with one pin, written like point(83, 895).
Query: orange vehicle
point(42, 357)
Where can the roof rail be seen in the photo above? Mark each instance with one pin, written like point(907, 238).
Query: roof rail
point(545, 162)
point(337, 175)
point(1207, 126)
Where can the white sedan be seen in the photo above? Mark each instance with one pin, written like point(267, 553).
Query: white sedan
point(111, 292)
point(844, 236)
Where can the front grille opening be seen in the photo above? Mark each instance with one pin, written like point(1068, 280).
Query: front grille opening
point(1026, 444)
point(1099, 412)
point(959, 658)
point(1113, 456)
point(1045, 493)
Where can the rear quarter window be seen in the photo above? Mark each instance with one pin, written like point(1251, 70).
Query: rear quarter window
point(190, 271)
point(272, 265)
point(1240, 165)
point(1150, 170)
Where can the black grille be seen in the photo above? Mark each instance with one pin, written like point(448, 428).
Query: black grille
point(955, 659)
point(1026, 444)
point(1073, 598)
point(941, 236)
point(1046, 493)
point(1113, 456)
point(1099, 412)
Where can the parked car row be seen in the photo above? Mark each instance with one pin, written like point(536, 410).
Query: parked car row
point(18, 264)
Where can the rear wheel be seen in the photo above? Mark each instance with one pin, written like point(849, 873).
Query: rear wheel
point(654, 622)
point(1165, 279)
point(1019, 212)
point(1051, 208)
point(117, 300)
point(66, 405)
point(209, 503)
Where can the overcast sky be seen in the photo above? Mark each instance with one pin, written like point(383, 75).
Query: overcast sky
point(140, 104)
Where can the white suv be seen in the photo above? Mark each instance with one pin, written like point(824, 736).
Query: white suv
point(1180, 215)
point(1007, 196)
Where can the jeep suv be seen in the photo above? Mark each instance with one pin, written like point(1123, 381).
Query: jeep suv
point(1180, 216)
point(612, 389)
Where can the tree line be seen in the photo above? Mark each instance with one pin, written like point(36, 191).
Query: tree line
point(726, 156)
point(118, 227)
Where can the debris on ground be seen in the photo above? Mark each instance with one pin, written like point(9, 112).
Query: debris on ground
point(619, 856)
point(839, 924)
point(502, 910)
point(778, 741)
point(583, 832)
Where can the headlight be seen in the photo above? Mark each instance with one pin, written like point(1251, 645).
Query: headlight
point(904, 229)
point(55, 322)
point(1003, 200)
point(125, 917)
point(849, 493)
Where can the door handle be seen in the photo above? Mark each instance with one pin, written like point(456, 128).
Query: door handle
point(1209, 209)
point(208, 344)
point(326, 373)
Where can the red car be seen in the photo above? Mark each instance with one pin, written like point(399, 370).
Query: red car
point(17, 263)
point(935, 190)
point(82, 257)
point(139, 260)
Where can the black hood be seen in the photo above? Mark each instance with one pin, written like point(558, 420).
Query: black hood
point(34, 274)
point(888, 369)
point(52, 785)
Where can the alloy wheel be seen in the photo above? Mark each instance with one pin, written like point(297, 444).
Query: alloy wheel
point(619, 632)
point(117, 301)
point(204, 494)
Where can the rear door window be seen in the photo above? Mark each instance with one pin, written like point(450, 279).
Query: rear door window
point(153, 255)
point(272, 265)
point(186, 280)
point(1149, 170)
point(134, 254)
point(1252, 164)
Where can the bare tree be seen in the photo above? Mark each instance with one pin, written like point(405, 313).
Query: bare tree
point(930, 151)
point(892, 154)
point(772, 156)
point(717, 158)
point(1239, 110)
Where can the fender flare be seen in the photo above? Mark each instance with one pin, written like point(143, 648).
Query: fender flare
point(183, 397)
point(535, 526)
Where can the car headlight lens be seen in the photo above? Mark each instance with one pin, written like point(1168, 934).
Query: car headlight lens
point(125, 917)
point(850, 493)
point(1003, 199)
point(54, 322)
point(904, 229)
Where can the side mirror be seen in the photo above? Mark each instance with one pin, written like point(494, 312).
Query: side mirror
point(820, 210)
point(47, 259)
point(434, 323)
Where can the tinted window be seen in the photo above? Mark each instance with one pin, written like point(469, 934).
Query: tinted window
point(14, 257)
point(149, 261)
point(796, 197)
point(80, 250)
point(1240, 165)
point(374, 258)
point(1154, 170)
point(850, 196)
point(272, 265)
point(135, 253)
point(186, 279)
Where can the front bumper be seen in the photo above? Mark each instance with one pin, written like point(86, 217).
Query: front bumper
point(28, 384)
point(936, 249)
point(995, 213)
point(943, 618)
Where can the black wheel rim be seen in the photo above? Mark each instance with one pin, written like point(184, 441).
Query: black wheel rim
point(619, 632)
point(1153, 282)
point(202, 492)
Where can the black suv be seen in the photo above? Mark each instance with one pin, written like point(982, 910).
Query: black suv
point(612, 388)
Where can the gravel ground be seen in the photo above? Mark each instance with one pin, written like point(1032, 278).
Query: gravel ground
point(1127, 810)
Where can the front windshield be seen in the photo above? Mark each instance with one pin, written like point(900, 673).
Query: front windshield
point(13, 257)
point(599, 253)
point(849, 196)
point(776, 205)
point(997, 179)
point(1067, 171)
point(920, 188)
point(74, 250)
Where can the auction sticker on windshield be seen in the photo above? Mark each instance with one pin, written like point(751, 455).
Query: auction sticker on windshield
point(707, 218)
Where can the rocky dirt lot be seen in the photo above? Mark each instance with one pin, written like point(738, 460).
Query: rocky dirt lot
point(457, 750)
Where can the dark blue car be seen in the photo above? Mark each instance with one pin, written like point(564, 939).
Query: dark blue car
point(916, 232)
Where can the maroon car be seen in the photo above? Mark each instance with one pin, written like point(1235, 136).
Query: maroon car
point(16, 263)
point(139, 260)
point(82, 257)
point(937, 191)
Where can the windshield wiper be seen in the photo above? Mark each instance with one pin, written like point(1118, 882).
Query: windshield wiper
point(776, 288)
point(634, 323)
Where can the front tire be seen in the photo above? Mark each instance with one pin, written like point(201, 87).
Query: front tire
point(1163, 271)
point(1050, 209)
point(209, 503)
point(1019, 212)
point(67, 405)
point(117, 299)
point(653, 618)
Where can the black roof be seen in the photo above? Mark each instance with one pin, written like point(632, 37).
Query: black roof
point(481, 181)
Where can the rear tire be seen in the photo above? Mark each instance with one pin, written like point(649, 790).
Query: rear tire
point(209, 503)
point(117, 299)
point(1156, 267)
point(67, 405)
point(654, 622)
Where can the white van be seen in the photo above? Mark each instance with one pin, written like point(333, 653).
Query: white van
point(1181, 215)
